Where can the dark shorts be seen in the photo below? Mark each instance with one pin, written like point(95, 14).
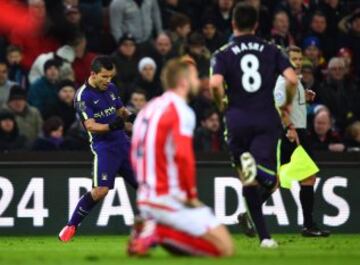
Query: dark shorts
point(109, 161)
point(258, 135)
point(287, 147)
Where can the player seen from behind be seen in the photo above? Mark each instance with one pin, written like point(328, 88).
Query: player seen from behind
point(249, 66)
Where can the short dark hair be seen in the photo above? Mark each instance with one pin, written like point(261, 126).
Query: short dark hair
point(52, 124)
point(13, 48)
point(318, 13)
point(208, 113)
point(102, 62)
point(76, 38)
point(65, 83)
point(51, 63)
point(179, 20)
point(139, 91)
point(245, 16)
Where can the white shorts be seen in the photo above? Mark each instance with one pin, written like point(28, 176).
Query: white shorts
point(194, 221)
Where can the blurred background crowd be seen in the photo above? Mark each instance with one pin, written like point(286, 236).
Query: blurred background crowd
point(46, 48)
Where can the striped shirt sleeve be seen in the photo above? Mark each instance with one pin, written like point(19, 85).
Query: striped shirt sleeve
point(83, 105)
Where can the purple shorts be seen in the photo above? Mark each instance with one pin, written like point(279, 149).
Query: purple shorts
point(257, 134)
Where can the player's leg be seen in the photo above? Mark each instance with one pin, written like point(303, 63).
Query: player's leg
point(104, 172)
point(238, 138)
point(195, 231)
point(126, 170)
point(221, 238)
point(263, 149)
point(190, 231)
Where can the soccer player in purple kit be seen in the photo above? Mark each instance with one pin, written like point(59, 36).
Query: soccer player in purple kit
point(98, 104)
point(245, 71)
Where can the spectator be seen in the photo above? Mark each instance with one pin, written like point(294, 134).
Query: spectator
point(64, 57)
point(126, 60)
point(180, 29)
point(137, 102)
point(347, 55)
point(280, 34)
point(208, 137)
point(34, 43)
point(197, 50)
point(28, 118)
point(170, 8)
point(83, 59)
point(147, 79)
point(221, 11)
point(73, 15)
point(161, 51)
point(204, 100)
point(312, 52)
point(351, 40)
point(353, 137)
point(17, 73)
point(334, 11)
point(5, 83)
point(339, 94)
point(213, 38)
point(298, 14)
point(63, 107)
point(76, 138)
point(307, 72)
point(44, 90)
point(138, 17)
point(53, 131)
point(10, 138)
point(318, 28)
point(323, 138)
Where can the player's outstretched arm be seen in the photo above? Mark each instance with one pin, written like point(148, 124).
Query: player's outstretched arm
point(217, 90)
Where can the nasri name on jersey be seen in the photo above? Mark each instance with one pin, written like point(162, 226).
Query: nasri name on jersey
point(254, 46)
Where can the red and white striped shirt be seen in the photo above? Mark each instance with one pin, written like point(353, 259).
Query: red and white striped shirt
point(162, 153)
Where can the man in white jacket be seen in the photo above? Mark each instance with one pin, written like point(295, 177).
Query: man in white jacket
point(65, 55)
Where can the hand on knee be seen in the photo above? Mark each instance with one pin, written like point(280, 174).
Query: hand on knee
point(99, 193)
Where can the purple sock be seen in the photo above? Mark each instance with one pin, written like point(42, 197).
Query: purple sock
point(84, 206)
point(254, 203)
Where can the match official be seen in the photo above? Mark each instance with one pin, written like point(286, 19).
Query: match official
point(295, 134)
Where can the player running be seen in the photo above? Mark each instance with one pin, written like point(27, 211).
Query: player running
point(98, 104)
point(163, 160)
point(249, 67)
point(296, 134)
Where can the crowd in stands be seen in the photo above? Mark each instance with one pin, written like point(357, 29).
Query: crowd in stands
point(40, 70)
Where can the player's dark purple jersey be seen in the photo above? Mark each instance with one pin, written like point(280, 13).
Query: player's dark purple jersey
point(101, 106)
point(250, 67)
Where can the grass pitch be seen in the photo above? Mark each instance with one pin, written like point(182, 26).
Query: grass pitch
point(338, 249)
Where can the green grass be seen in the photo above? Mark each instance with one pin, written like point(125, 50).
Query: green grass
point(338, 249)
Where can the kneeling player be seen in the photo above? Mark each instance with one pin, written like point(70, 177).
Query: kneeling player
point(163, 160)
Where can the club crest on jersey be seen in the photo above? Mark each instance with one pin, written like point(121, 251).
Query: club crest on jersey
point(113, 97)
point(81, 106)
point(104, 176)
